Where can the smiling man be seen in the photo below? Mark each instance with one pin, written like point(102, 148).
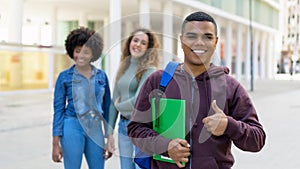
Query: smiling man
point(219, 111)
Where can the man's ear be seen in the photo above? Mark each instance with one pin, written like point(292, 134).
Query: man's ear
point(180, 37)
point(217, 38)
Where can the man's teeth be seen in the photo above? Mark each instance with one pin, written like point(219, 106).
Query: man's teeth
point(199, 51)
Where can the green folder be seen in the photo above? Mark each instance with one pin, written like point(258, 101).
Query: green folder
point(170, 122)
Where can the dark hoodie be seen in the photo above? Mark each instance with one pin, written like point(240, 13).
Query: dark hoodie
point(207, 151)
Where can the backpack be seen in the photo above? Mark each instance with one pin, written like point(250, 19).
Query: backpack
point(142, 159)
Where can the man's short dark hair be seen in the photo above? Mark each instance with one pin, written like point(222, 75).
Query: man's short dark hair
point(199, 16)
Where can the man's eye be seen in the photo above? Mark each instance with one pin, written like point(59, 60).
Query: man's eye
point(191, 37)
point(208, 37)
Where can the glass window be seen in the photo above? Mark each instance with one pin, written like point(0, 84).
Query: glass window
point(46, 35)
point(61, 62)
point(216, 3)
point(23, 70)
point(64, 28)
point(206, 1)
point(229, 6)
point(240, 8)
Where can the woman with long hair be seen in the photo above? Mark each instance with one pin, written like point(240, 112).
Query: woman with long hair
point(140, 58)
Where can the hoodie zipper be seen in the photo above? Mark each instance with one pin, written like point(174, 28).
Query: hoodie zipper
point(191, 119)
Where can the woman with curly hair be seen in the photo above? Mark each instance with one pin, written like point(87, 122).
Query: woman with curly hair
point(81, 104)
point(140, 58)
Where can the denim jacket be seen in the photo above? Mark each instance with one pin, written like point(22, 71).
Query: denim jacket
point(74, 93)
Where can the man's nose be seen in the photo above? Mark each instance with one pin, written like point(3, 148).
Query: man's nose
point(200, 41)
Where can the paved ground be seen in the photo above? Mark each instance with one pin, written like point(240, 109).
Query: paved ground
point(25, 129)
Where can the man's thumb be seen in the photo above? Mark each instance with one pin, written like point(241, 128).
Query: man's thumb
point(215, 107)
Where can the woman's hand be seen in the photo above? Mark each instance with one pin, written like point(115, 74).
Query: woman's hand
point(56, 150)
point(109, 147)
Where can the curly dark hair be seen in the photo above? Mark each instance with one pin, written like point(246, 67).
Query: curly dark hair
point(84, 37)
point(150, 58)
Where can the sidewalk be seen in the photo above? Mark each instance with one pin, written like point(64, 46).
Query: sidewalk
point(25, 129)
point(25, 133)
point(278, 106)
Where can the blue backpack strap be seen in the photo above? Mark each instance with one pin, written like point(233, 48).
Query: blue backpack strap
point(144, 160)
point(167, 75)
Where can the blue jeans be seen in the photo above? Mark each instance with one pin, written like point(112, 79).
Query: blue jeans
point(126, 147)
point(75, 142)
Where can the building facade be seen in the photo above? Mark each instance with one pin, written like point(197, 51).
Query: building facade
point(289, 61)
point(32, 35)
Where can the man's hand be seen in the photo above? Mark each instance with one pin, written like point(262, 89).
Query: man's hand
point(216, 123)
point(179, 151)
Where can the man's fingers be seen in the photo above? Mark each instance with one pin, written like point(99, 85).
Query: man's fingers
point(178, 142)
point(179, 164)
point(184, 143)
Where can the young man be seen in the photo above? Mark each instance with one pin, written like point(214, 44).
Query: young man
point(218, 109)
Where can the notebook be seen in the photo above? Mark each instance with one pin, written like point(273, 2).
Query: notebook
point(171, 121)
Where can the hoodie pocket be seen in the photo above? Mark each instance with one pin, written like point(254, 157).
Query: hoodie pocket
point(205, 163)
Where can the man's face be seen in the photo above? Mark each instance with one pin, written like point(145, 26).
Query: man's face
point(198, 42)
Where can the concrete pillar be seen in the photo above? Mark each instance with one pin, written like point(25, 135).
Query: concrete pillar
point(83, 21)
point(238, 57)
point(106, 39)
point(262, 63)
point(228, 45)
point(15, 21)
point(145, 13)
point(255, 54)
point(247, 56)
point(15, 36)
point(275, 54)
point(217, 55)
point(115, 28)
point(51, 56)
point(180, 53)
point(128, 29)
point(53, 24)
point(167, 33)
point(268, 56)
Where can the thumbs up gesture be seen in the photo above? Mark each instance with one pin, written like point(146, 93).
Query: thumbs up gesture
point(216, 123)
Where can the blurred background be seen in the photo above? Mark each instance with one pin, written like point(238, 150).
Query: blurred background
point(32, 34)
point(258, 41)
